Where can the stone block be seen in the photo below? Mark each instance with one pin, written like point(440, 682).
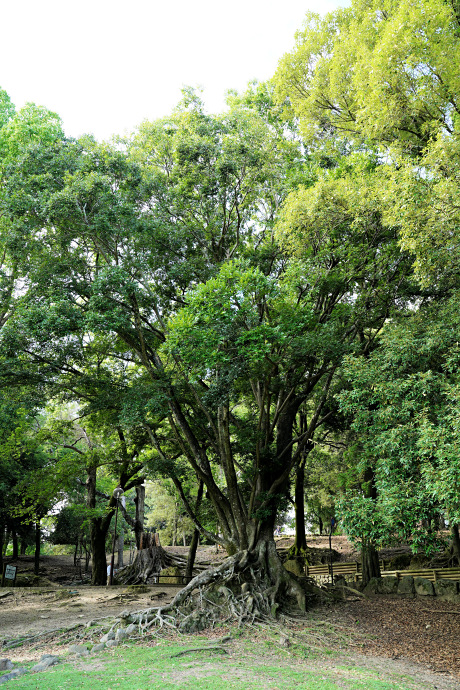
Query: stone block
point(406, 586)
point(121, 635)
point(423, 587)
point(389, 585)
point(98, 647)
point(446, 589)
point(108, 636)
point(132, 629)
point(13, 674)
point(46, 661)
point(112, 643)
point(373, 586)
point(6, 665)
point(78, 650)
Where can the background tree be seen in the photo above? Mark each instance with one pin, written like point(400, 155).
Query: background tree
point(404, 398)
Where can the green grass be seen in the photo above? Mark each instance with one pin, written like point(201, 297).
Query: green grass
point(249, 664)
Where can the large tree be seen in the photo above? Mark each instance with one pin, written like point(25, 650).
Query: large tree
point(162, 269)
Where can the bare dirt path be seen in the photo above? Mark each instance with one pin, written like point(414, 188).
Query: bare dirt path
point(38, 610)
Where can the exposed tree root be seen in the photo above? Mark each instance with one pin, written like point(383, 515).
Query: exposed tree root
point(147, 565)
point(20, 641)
point(251, 585)
point(217, 650)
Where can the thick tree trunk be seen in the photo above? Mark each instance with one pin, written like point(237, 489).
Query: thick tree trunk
point(99, 527)
point(7, 540)
point(455, 542)
point(192, 553)
point(370, 556)
point(196, 535)
point(139, 502)
point(2, 535)
point(320, 525)
point(15, 544)
point(150, 559)
point(121, 546)
point(37, 548)
point(98, 558)
point(370, 562)
point(300, 542)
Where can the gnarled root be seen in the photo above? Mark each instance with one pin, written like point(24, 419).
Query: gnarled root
point(247, 586)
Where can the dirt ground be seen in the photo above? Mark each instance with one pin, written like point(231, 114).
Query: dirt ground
point(394, 631)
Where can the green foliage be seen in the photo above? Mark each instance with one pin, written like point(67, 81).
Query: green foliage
point(386, 75)
point(166, 513)
point(384, 71)
point(404, 401)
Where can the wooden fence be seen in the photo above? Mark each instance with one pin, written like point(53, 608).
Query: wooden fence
point(324, 573)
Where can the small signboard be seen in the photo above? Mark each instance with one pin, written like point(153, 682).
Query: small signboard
point(9, 574)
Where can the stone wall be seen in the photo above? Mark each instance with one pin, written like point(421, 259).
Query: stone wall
point(409, 586)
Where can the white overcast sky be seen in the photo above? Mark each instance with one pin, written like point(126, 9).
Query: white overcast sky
point(105, 65)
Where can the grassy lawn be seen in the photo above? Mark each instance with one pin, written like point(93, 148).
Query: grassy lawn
point(245, 663)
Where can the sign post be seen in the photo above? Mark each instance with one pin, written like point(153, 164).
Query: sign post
point(9, 573)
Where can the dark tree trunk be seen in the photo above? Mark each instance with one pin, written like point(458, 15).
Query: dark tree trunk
point(370, 556)
point(192, 553)
point(98, 558)
point(195, 537)
point(140, 509)
point(37, 548)
point(121, 546)
point(371, 563)
point(321, 525)
point(15, 544)
point(7, 540)
point(147, 563)
point(99, 527)
point(300, 542)
point(455, 542)
point(2, 534)
point(23, 546)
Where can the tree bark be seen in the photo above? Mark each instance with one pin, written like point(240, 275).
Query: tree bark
point(37, 548)
point(370, 562)
point(370, 556)
point(140, 511)
point(7, 540)
point(455, 542)
point(2, 534)
point(196, 535)
point(99, 526)
point(300, 542)
point(15, 544)
point(147, 563)
point(98, 557)
point(121, 546)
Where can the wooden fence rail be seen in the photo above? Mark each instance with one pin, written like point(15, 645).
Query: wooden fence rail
point(323, 572)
